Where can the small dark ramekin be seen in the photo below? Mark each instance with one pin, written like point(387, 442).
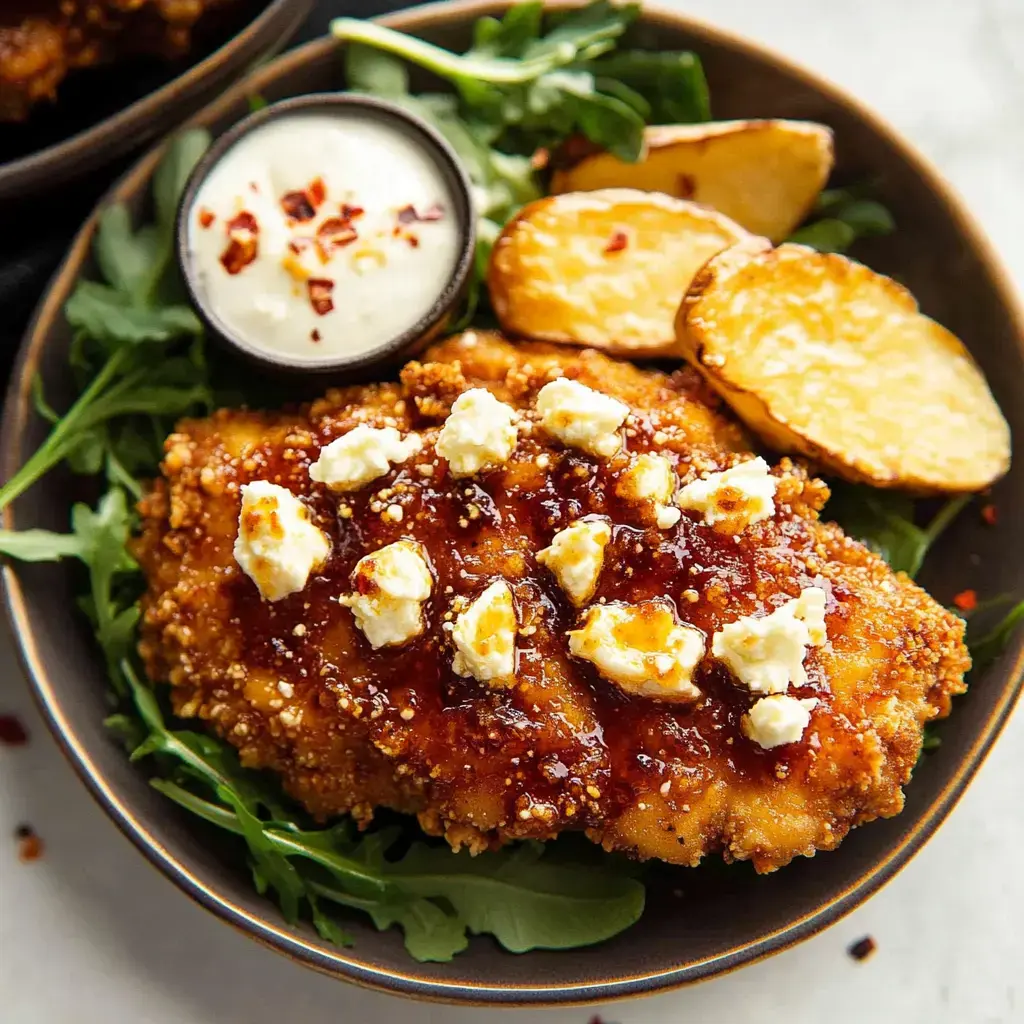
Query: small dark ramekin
point(419, 334)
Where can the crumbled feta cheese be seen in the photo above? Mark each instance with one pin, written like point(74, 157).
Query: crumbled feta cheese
point(485, 637)
point(480, 432)
point(641, 648)
point(277, 546)
point(576, 556)
point(652, 478)
point(362, 455)
point(391, 586)
point(767, 654)
point(735, 498)
point(581, 417)
point(776, 720)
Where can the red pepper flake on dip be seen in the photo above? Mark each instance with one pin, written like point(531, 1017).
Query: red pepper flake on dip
point(206, 218)
point(319, 254)
point(617, 242)
point(862, 948)
point(243, 242)
point(320, 290)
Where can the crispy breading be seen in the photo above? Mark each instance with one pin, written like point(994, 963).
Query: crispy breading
point(296, 688)
point(41, 41)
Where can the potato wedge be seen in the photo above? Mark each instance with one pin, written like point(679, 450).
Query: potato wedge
point(822, 356)
point(765, 175)
point(605, 269)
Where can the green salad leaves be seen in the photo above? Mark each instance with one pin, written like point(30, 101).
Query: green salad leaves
point(138, 362)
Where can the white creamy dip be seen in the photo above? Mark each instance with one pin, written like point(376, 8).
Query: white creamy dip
point(323, 234)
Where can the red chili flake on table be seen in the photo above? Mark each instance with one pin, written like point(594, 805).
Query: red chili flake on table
point(334, 233)
point(862, 948)
point(990, 514)
point(320, 289)
point(966, 600)
point(243, 245)
point(12, 732)
point(617, 242)
point(30, 846)
point(409, 214)
point(206, 217)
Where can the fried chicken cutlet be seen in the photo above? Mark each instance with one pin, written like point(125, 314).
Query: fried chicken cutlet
point(487, 719)
point(41, 41)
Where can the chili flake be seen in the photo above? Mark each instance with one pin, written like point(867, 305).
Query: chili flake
point(243, 242)
point(990, 514)
point(297, 206)
point(862, 948)
point(334, 233)
point(317, 191)
point(351, 212)
point(409, 214)
point(30, 846)
point(12, 732)
point(320, 289)
point(206, 217)
point(314, 335)
point(966, 600)
point(617, 242)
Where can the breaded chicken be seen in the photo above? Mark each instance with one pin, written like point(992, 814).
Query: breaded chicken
point(41, 41)
point(295, 685)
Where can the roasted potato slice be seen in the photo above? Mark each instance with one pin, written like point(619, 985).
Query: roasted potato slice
point(822, 356)
point(605, 269)
point(765, 175)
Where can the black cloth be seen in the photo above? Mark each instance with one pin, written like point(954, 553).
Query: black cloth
point(36, 231)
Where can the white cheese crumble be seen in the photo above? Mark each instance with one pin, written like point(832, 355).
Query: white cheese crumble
point(581, 417)
point(391, 586)
point(641, 648)
point(361, 456)
point(480, 432)
point(652, 478)
point(576, 557)
point(277, 546)
point(485, 637)
point(735, 498)
point(767, 654)
point(776, 720)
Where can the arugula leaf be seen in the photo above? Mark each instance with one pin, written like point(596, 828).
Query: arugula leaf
point(40, 545)
point(884, 521)
point(986, 650)
point(846, 214)
point(672, 82)
point(102, 312)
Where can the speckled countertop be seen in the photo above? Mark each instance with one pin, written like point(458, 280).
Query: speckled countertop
point(91, 933)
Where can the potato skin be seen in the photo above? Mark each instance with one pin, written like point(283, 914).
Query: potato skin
point(820, 355)
point(763, 174)
point(603, 269)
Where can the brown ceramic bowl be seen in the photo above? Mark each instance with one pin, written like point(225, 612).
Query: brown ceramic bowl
point(727, 916)
point(145, 98)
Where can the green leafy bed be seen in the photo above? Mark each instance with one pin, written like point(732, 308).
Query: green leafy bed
point(138, 361)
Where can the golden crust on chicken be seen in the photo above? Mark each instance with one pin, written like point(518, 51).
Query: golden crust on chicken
point(643, 738)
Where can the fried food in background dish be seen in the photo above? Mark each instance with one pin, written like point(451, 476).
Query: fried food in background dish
point(765, 175)
point(41, 41)
point(605, 269)
point(822, 356)
point(296, 687)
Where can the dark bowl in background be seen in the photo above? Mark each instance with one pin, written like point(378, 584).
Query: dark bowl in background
point(727, 916)
point(102, 112)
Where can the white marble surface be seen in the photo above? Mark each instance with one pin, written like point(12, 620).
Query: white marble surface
point(91, 933)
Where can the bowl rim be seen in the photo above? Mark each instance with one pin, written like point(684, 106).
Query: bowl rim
point(106, 139)
point(411, 338)
point(337, 962)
